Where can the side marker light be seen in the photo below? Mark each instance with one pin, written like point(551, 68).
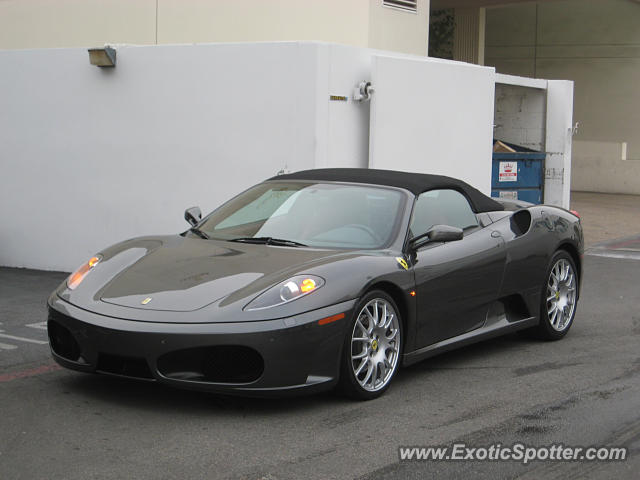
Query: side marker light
point(331, 319)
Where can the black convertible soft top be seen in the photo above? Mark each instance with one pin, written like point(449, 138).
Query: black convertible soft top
point(414, 182)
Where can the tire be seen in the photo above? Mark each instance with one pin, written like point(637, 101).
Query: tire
point(372, 347)
point(559, 297)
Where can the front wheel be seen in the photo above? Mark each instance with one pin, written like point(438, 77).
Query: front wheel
point(559, 297)
point(372, 348)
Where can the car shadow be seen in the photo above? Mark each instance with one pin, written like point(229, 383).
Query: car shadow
point(148, 396)
point(468, 356)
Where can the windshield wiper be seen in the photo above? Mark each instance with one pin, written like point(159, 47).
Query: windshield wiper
point(280, 242)
point(199, 232)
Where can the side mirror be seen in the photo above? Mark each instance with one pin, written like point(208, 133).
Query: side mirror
point(193, 215)
point(437, 233)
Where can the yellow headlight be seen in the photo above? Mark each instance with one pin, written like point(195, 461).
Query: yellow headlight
point(307, 285)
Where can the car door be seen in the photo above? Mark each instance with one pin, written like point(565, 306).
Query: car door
point(456, 281)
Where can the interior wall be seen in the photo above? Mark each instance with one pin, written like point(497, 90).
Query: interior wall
point(595, 43)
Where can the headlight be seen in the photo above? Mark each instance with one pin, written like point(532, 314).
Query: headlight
point(286, 291)
point(76, 277)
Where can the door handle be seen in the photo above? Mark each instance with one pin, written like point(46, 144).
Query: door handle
point(496, 234)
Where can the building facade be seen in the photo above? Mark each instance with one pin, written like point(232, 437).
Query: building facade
point(395, 25)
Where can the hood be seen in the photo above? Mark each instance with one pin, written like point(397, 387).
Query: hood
point(184, 274)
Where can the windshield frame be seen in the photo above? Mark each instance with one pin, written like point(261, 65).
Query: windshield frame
point(396, 237)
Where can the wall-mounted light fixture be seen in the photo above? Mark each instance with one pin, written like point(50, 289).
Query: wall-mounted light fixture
point(363, 92)
point(103, 57)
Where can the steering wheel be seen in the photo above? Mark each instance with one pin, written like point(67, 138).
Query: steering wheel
point(366, 229)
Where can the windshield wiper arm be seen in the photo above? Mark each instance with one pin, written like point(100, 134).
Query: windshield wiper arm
point(199, 232)
point(281, 242)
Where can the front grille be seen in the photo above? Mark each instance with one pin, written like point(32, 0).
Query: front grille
point(216, 364)
point(125, 366)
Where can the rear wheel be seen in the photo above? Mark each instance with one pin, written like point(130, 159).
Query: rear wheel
point(559, 297)
point(371, 352)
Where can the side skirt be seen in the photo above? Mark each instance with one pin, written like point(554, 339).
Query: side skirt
point(495, 329)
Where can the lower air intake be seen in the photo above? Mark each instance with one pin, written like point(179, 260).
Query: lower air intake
point(217, 364)
point(62, 341)
point(125, 366)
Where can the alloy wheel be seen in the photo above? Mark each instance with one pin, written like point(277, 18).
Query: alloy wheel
point(375, 344)
point(561, 295)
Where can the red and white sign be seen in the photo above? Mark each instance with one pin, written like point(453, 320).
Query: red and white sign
point(508, 172)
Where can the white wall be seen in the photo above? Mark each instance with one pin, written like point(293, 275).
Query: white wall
point(558, 143)
point(342, 135)
point(93, 156)
point(433, 116)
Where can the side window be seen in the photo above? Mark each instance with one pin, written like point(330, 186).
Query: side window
point(441, 207)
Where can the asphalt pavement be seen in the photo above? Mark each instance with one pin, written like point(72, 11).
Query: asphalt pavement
point(581, 391)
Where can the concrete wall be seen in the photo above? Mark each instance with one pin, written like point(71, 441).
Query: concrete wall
point(90, 156)
point(397, 30)
point(76, 23)
point(598, 166)
point(81, 23)
point(520, 115)
point(595, 43)
point(181, 21)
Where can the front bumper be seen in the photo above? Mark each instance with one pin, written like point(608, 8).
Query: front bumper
point(298, 354)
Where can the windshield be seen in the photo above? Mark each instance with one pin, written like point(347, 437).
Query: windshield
point(311, 214)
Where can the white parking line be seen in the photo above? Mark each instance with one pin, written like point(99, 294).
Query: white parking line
point(39, 325)
point(22, 339)
point(6, 346)
point(627, 255)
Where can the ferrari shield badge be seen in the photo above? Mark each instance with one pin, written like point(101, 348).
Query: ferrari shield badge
point(402, 262)
point(146, 300)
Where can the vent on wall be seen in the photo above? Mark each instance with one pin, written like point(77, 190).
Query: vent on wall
point(408, 5)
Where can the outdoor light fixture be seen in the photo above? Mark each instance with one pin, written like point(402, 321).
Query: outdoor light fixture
point(103, 57)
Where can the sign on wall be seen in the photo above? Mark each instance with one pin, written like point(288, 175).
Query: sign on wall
point(508, 172)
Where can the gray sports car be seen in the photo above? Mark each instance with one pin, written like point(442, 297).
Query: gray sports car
point(320, 278)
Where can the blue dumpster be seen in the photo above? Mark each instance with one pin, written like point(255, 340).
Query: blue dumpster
point(518, 175)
